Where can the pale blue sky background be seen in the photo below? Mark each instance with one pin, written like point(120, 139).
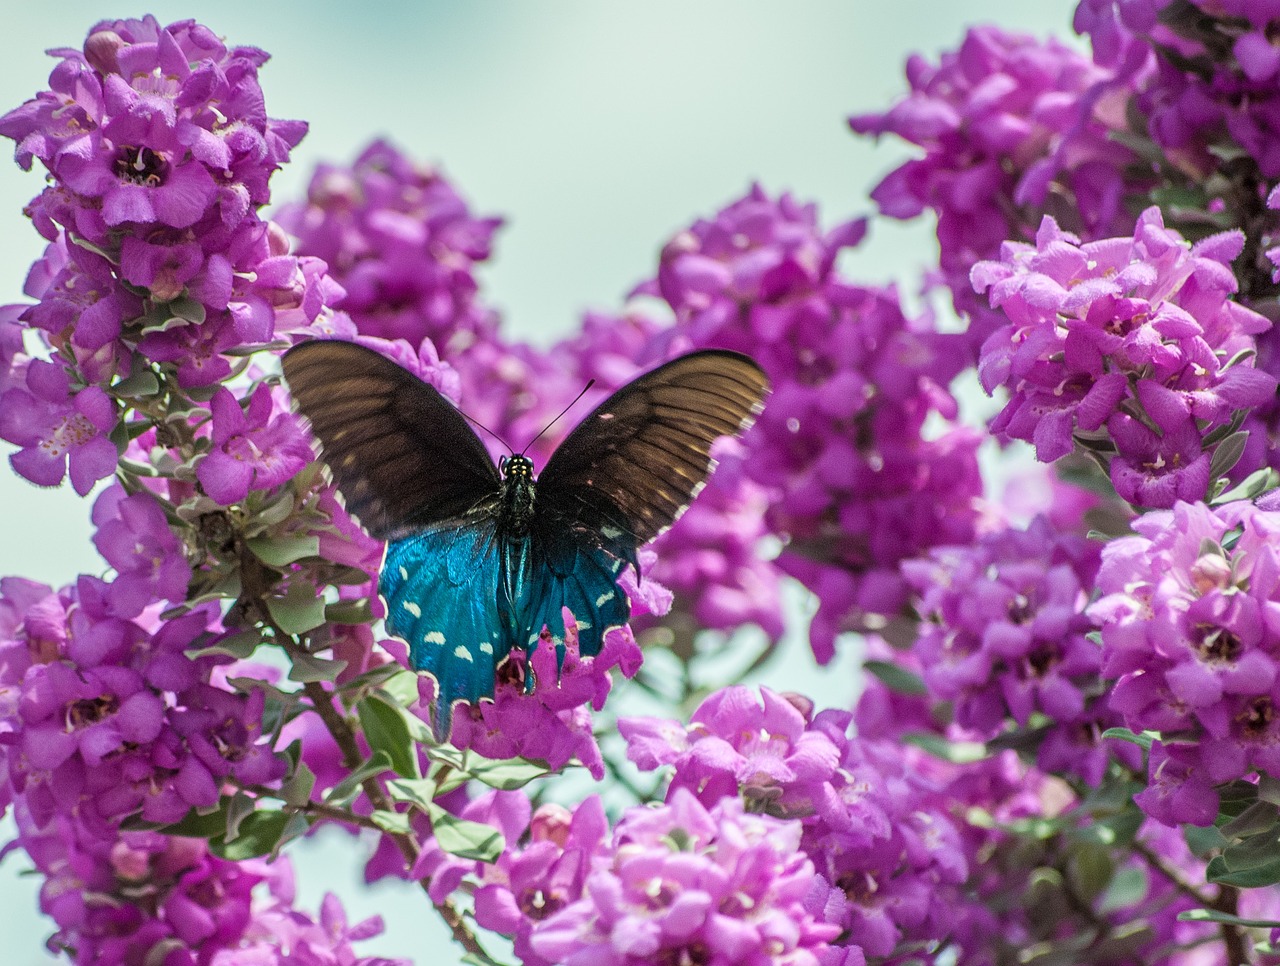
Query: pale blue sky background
point(597, 128)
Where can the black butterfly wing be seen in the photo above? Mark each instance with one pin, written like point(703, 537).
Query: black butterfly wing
point(630, 468)
point(402, 456)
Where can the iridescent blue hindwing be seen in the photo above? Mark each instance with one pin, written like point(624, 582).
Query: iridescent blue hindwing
point(441, 590)
point(581, 578)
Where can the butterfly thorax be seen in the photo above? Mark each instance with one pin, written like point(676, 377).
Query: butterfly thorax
point(516, 496)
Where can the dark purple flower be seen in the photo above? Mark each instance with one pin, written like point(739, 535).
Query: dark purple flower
point(59, 430)
point(1126, 338)
point(135, 538)
point(401, 241)
point(252, 448)
point(1186, 626)
point(680, 881)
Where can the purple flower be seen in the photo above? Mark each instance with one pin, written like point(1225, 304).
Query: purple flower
point(401, 241)
point(888, 859)
point(59, 430)
point(681, 881)
point(252, 449)
point(1186, 626)
point(551, 724)
point(159, 153)
point(1126, 334)
point(854, 486)
point(1006, 123)
point(528, 885)
point(134, 537)
point(1005, 635)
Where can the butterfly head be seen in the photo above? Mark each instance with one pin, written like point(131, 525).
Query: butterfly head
point(516, 468)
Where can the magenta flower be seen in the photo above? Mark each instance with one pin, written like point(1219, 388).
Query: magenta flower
point(734, 743)
point(402, 242)
point(681, 881)
point(852, 482)
point(59, 431)
point(1186, 627)
point(252, 449)
point(1004, 116)
point(528, 885)
point(134, 537)
point(1127, 334)
point(551, 724)
point(888, 859)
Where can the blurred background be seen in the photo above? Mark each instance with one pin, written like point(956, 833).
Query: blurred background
point(597, 129)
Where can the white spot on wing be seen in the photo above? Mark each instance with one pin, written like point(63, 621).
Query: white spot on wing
point(610, 532)
point(433, 637)
point(404, 574)
point(486, 648)
point(600, 601)
point(463, 653)
point(412, 608)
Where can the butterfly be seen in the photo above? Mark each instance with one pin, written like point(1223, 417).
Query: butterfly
point(482, 559)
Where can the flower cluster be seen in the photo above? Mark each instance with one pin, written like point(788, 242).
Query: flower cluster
point(1202, 75)
point(159, 152)
point(403, 244)
point(1005, 635)
point(133, 897)
point(854, 484)
point(678, 882)
point(1011, 118)
point(1126, 345)
point(108, 717)
point(1186, 628)
point(888, 862)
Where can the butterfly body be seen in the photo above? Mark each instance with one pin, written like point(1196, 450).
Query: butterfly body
point(482, 560)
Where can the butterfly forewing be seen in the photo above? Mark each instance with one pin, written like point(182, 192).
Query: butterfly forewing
point(634, 464)
point(402, 456)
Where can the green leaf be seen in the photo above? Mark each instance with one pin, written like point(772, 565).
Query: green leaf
point(1128, 887)
point(282, 551)
point(1248, 488)
point(467, 840)
point(1252, 853)
point(1253, 878)
point(958, 752)
point(197, 826)
point(299, 610)
point(1203, 841)
point(1227, 454)
point(346, 790)
point(507, 775)
point(402, 688)
point(385, 729)
point(241, 645)
point(1089, 870)
point(1143, 740)
point(308, 667)
point(259, 834)
point(416, 791)
point(1258, 817)
point(1213, 915)
point(397, 823)
point(349, 611)
point(896, 678)
point(296, 791)
point(188, 308)
point(239, 808)
point(143, 383)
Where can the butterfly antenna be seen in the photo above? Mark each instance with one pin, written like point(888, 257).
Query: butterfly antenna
point(590, 383)
point(505, 444)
